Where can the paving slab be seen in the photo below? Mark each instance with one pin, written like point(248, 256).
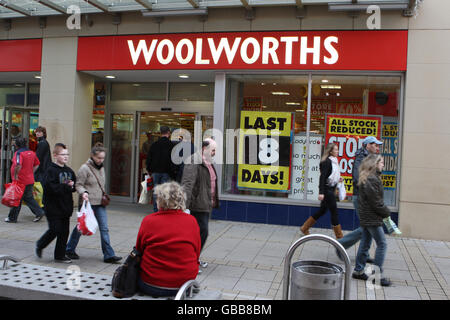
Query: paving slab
point(246, 260)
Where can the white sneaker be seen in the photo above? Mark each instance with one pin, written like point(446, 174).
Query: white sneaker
point(203, 264)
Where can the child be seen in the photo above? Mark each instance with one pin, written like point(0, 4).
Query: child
point(59, 183)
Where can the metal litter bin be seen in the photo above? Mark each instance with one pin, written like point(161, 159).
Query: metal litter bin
point(316, 280)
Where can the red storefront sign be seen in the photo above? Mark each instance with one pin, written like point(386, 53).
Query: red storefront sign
point(20, 55)
point(292, 50)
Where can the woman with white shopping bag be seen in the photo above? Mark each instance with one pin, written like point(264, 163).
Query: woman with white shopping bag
point(330, 176)
point(91, 185)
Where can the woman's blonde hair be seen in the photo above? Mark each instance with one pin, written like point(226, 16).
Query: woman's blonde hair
point(368, 167)
point(170, 196)
point(327, 151)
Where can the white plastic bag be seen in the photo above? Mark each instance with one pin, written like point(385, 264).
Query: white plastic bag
point(86, 222)
point(341, 190)
point(143, 198)
point(391, 227)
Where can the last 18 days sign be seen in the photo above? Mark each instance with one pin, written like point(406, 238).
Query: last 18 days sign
point(265, 150)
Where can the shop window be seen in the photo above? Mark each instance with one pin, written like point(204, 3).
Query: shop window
point(360, 106)
point(191, 91)
point(33, 94)
point(139, 91)
point(337, 104)
point(254, 103)
point(12, 94)
point(98, 113)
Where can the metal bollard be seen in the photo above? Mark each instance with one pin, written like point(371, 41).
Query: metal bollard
point(336, 244)
point(5, 259)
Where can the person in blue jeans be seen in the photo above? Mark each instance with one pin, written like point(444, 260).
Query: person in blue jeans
point(371, 145)
point(159, 161)
point(372, 211)
point(90, 185)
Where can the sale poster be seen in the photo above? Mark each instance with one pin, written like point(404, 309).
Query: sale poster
point(299, 178)
point(265, 150)
point(348, 132)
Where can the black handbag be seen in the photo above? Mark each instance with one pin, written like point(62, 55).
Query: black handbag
point(124, 283)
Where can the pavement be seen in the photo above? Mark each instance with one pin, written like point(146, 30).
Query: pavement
point(246, 260)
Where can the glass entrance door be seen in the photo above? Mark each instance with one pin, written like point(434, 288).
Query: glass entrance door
point(149, 132)
point(122, 156)
point(15, 122)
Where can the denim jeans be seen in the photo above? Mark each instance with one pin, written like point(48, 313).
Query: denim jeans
point(102, 220)
point(29, 201)
point(158, 178)
point(353, 237)
point(368, 233)
point(153, 291)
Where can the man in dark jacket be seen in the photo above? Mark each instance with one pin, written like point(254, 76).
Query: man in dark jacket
point(58, 188)
point(43, 153)
point(159, 162)
point(371, 145)
point(200, 184)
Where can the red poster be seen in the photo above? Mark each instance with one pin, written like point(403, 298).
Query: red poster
point(384, 103)
point(252, 104)
point(348, 132)
point(281, 50)
point(349, 106)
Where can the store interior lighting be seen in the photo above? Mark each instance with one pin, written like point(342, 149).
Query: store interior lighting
point(279, 93)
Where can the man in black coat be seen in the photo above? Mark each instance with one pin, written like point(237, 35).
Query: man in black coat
point(43, 153)
point(159, 162)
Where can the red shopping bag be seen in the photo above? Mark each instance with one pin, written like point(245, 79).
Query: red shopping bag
point(86, 221)
point(13, 194)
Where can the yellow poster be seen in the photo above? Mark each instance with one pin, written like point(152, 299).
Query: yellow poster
point(265, 150)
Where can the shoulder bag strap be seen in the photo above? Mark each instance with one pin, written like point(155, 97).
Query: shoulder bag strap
point(98, 181)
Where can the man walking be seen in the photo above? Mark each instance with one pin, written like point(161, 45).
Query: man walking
point(24, 164)
point(159, 162)
point(371, 145)
point(200, 184)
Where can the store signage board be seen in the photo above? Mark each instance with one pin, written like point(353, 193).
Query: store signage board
point(20, 55)
point(348, 132)
point(265, 151)
point(298, 50)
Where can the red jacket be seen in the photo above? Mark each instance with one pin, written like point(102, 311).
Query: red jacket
point(28, 160)
point(170, 243)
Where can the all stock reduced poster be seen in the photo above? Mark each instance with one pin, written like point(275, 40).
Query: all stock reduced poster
point(265, 151)
point(348, 132)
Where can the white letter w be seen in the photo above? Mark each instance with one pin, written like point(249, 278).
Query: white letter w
point(142, 47)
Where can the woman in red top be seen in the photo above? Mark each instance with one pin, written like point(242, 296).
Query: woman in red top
point(169, 241)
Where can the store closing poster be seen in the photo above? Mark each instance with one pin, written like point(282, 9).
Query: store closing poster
point(265, 151)
point(299, 167)
point(348, 132)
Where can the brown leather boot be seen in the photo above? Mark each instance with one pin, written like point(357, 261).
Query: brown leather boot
point(338, 231)
point(308, 224)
